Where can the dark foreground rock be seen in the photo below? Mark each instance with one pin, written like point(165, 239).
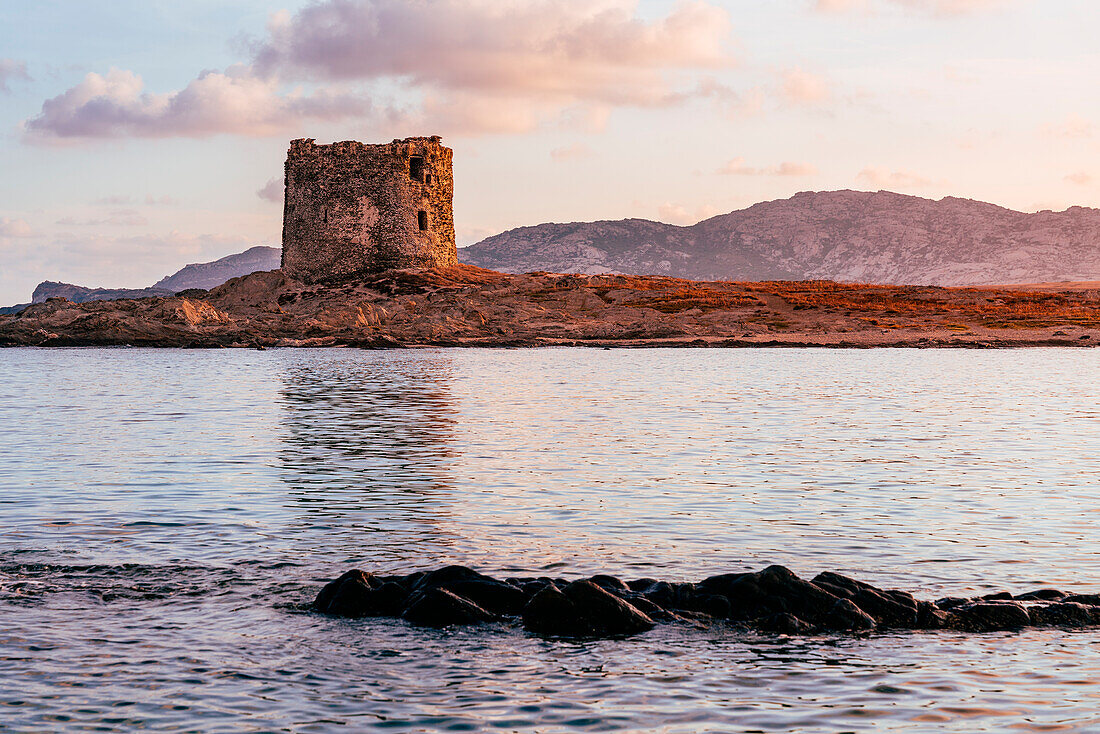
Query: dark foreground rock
point(773, 600)
point(583, 608)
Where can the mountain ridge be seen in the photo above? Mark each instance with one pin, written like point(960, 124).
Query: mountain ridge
point(847, 235)
point(779, 239)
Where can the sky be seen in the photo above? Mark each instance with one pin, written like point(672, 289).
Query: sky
point(137, 136)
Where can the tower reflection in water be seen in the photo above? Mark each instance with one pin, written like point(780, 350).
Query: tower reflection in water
point(366, 453)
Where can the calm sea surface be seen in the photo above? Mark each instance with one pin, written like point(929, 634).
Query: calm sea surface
point(163, 514)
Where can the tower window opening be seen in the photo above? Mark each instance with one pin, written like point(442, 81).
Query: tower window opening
point(422, 220)
point(416, 168)
point(427, 178)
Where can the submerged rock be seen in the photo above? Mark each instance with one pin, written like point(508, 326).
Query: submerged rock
point(845, 616)
point(1041, 594)
point(1064, 614)
point(583, 609)
point(360, 594)
point(784, 624)
point(772, 600)
point(436, 607)
point(889, 608)
point(989, 616)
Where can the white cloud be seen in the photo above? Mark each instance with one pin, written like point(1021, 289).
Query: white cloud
point(678, 214)
point(11, 70)
point(952, 7)
point(467, 236)
point(884, 177)
point(118, 218)
point(127, 200)
point(272, 191)
point(941, 8)
point(738, 167)
point(113, 200)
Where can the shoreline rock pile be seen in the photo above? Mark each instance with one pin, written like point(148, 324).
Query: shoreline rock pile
point(772, 600)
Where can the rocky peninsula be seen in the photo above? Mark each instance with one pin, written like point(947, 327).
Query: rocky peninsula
point(772, 600)
point(463, 305)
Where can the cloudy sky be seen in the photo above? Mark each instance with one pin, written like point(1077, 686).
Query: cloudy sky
point(137, 135)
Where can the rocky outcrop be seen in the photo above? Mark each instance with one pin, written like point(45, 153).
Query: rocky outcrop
point(847, 236)
point(467, 306)
point(773, 600)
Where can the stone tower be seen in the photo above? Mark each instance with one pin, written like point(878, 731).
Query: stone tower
point(355, 208)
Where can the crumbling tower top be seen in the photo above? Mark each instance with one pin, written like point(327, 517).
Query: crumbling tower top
point(353, 208)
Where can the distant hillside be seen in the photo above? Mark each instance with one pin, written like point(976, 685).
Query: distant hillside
point(841, 235)
point(80, 294)
point(199, 275)
point(212, 274)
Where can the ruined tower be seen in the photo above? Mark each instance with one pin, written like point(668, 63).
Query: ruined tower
point(355, 208)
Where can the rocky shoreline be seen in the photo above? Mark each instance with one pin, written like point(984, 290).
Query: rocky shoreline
point(466, 306)
point(773, 600)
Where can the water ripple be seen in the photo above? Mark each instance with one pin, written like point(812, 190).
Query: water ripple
point(165, 515)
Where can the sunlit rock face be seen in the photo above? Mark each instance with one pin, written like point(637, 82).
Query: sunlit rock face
point(356, 208)
point(849, 236)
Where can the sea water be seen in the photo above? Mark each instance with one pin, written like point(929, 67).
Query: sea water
point(166, 516)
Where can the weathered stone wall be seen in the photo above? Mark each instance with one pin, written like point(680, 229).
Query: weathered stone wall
point(357, 208)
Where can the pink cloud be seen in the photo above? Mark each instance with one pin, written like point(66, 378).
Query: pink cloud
point(571, 152)
point(467, 113)
point(116, 105)
point(731, 103)
point(164, 200)
point(10, 227)
point(471, 68)
point(738, 167)
point(558, 49)
point(1080, 178)
point(1073, 127)
point(803, 87)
